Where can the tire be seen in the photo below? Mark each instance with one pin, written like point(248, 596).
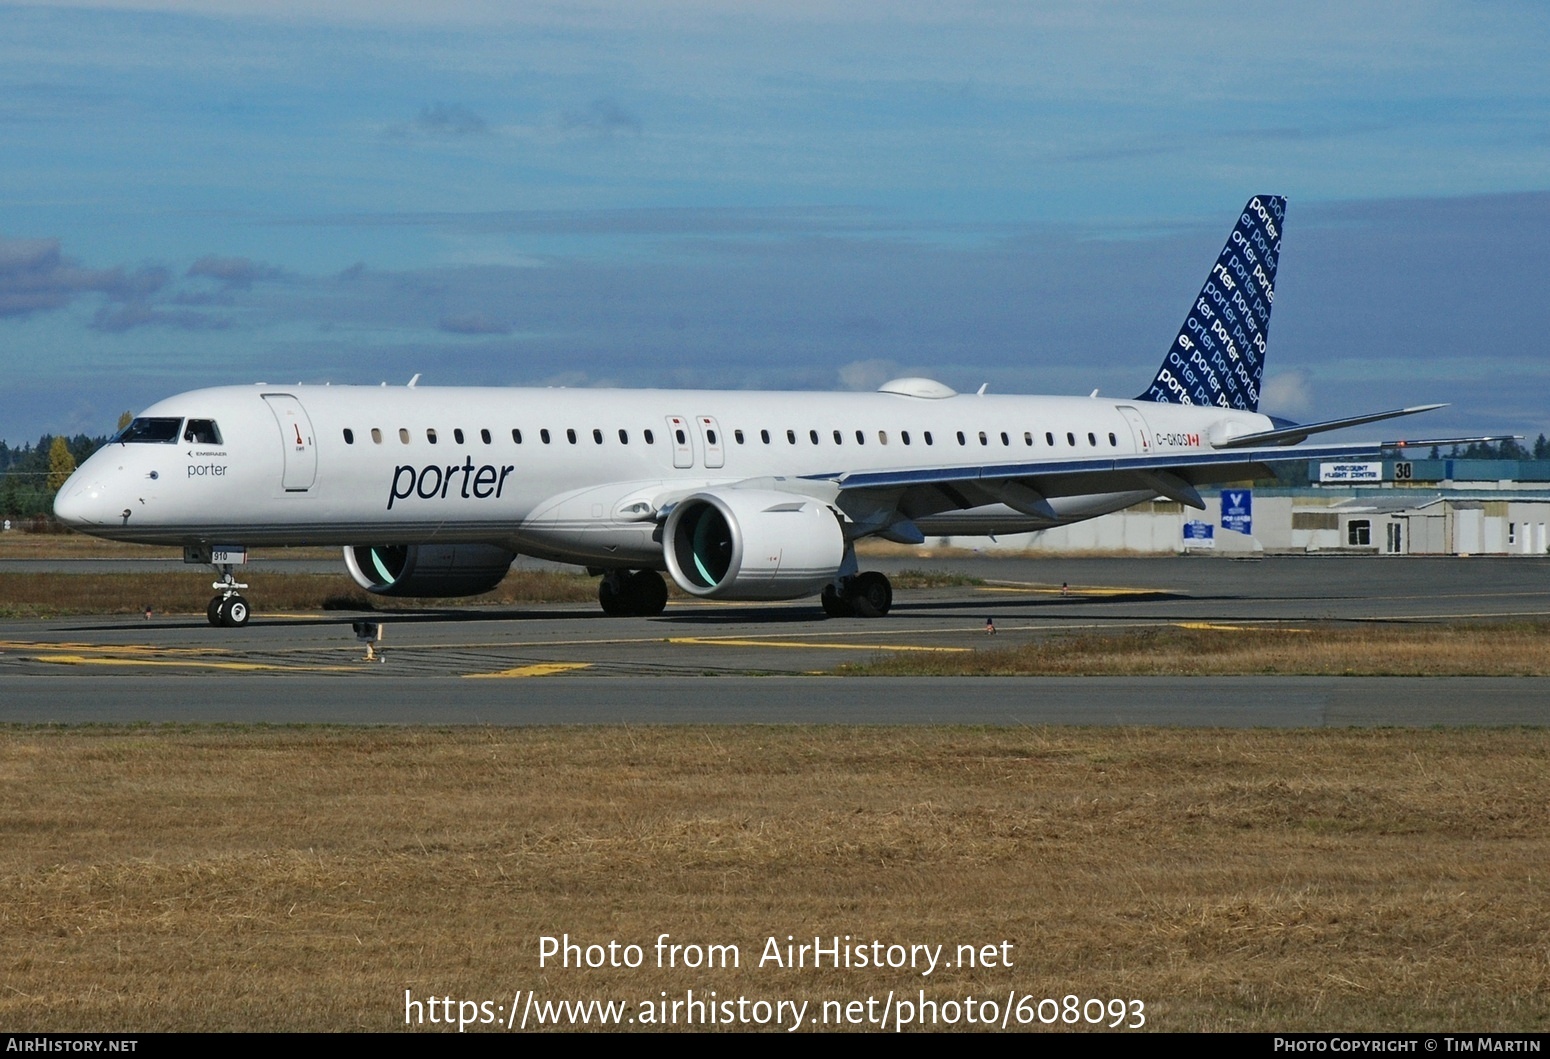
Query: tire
point(213, 611)
point(871, 594)
point(647, 593)
point(234, 612)
point(611, 596)
point(836, 605)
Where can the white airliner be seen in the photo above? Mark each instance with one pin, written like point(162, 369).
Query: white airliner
point(737, 495)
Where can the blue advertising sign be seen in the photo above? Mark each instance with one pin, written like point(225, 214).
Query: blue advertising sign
point(1238, 510)
point(1199, 534)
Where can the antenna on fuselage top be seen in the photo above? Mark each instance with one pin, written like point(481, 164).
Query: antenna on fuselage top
point(981, 391)
point(1094, 393)
point(414, 380)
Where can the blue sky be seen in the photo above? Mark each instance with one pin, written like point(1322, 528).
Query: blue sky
point(792, 195)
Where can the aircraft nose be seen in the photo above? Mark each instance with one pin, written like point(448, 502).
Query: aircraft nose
point(80, 502)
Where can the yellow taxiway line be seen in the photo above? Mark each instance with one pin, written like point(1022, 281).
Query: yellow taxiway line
point(538, 669)
point(105, 660)
point(726, 642)
point(1032, 589)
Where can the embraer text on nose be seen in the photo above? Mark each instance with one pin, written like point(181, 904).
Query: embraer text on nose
point(433, 482)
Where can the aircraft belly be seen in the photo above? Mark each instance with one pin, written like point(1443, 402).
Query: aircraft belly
point(610, 545)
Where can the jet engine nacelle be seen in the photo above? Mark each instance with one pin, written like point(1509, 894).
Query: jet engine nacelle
point(428, 569)
point(752, 544)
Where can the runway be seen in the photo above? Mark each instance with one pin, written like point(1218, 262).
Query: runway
point(767, 664)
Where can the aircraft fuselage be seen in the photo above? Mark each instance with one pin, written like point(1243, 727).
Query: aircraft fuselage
point(576, 475)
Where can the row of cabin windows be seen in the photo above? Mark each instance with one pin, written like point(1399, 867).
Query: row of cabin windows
point(484, 435)
point(764, 436)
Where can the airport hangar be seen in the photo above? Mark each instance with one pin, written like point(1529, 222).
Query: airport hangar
point(1377, 507)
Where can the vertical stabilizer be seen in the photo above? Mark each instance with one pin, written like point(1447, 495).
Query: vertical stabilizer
point(1219, 354)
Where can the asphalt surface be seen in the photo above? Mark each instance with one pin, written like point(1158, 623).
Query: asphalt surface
point(741, 663)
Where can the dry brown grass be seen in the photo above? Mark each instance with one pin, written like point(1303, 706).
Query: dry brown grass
point(47, 595)
point(303, 879)
point(1517, 649)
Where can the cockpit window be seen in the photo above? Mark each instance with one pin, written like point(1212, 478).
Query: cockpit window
point(202, 432)
point(150, 430)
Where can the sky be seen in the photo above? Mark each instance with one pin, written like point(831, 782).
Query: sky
point(786, 195)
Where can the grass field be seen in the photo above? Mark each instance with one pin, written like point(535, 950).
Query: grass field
point(28, 595)
point(1519, 649)
point(303, 879)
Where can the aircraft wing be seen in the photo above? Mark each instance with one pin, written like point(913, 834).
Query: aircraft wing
point(1026, 486)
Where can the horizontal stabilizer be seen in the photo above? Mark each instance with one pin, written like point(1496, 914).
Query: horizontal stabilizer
point(1300, 432)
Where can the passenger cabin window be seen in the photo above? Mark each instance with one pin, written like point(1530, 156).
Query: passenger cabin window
point(624, 437)
point(1028, 438)
point(153, 430)
point(904, 436)
point(457, 435)
point(791, 437)
point(961, 439)
point(813, 436)
point(1092, 439)
point(839, 439)
point(430, 435)
point(597, 436)
point(203, 432)
point(738, 434)
point(570, 435)
point(764, 436)
point(651, 439)
point(1049, 438)
point(376, 436)
point(860, 438)
point(882, 437)
point(1070, 438)
point(927, 436)
point(516, 435)
point(1113, 441)
point(484, 436)
point(349, 436)
point(403, 435)
point(543, 435)
point(983, 439)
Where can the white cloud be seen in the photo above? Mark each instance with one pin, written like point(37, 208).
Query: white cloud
point(867, 374)
point(1290, 393)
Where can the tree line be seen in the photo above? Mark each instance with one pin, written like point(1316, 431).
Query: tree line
point(31, 475)
point(1506, 450)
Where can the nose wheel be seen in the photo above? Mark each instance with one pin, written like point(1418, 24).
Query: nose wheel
point(228, 609)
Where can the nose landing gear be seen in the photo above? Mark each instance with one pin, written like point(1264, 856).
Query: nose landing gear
point(228, 609)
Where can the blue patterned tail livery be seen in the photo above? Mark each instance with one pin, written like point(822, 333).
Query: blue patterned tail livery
point(1219, 354)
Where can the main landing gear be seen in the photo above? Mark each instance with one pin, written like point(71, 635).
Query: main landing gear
point(865, 595)
point(227, 609)
point(623, 594)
